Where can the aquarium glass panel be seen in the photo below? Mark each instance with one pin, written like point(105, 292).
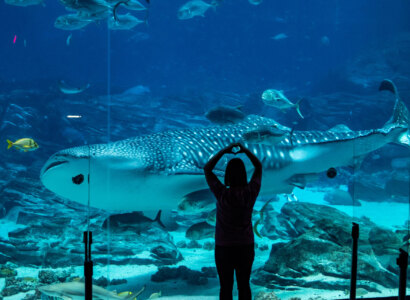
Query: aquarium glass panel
point(112, 114)
point(381, 191)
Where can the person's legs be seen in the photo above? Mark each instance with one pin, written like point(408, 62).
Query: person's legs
point(243, 267)
point(224, 266)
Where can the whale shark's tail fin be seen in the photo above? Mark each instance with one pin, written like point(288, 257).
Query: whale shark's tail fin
point(388, 85)
point(400, 112)
point(400, 115)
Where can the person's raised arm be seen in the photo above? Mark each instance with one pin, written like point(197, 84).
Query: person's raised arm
point(257, 173)
point(214, 183)
point(210, 165)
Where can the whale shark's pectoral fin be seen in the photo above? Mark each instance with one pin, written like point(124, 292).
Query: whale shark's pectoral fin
point(301, 180)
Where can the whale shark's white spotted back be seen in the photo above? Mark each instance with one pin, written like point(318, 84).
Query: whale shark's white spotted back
point(182, 150)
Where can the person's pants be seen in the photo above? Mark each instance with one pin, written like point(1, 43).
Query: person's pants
point(238, 258)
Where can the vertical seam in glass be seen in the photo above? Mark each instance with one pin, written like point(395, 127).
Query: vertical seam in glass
point(89, 188)
point(408, 216)
point(108, 139)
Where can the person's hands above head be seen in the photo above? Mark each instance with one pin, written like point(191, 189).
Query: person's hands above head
point(236, 148)
point(241, 148)
point(228, 149)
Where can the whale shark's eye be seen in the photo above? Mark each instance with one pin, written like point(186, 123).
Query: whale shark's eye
point(78, 179)
point(331, 173)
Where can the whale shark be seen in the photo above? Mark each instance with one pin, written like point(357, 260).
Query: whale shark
point(155, 171)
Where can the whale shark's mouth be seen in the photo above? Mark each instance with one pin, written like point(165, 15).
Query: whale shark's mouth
point(54, 164)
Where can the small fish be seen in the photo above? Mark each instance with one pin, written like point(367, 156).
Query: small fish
point(135, 5)
point(325, 40)
point(155, 295)
point(69, 39)
point(127, 294)
point(224, 114)
point(255, 2)
point(277, 99)
point(267, 135)
point(25, 43)
point(64, 88)
point(255, 226)
point(195, 8)
point(25, 144)
point(200, 231)
point(197, 202)
point(123, 22)
point(130, 4)
point(71, 22)
point(280, 36)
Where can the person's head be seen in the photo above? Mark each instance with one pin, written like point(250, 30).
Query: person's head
point(235, 173)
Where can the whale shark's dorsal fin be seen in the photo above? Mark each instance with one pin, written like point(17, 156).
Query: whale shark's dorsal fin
point(400, 112)
point(400, 115)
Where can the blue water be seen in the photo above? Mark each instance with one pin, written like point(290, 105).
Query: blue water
point(333, 56)
point(229, 49)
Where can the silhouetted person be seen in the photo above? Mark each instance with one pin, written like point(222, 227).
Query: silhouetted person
point(234, 240)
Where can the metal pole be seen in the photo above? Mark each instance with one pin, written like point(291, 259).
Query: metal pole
point(402, 262)
point(353, 277)
point(88, 266)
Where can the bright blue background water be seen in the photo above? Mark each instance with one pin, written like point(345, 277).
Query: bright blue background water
point(230, 49)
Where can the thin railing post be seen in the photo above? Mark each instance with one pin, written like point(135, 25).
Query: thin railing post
point(88, 266)
point(353, 277)
point(402, 262)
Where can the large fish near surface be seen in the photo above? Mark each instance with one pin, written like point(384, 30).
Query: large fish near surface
point(70, 22)
point(155, 171)
point(195, 8)
point(135, 222)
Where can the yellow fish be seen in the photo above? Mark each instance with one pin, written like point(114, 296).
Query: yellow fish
point(125, 294)
point(25, 144)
